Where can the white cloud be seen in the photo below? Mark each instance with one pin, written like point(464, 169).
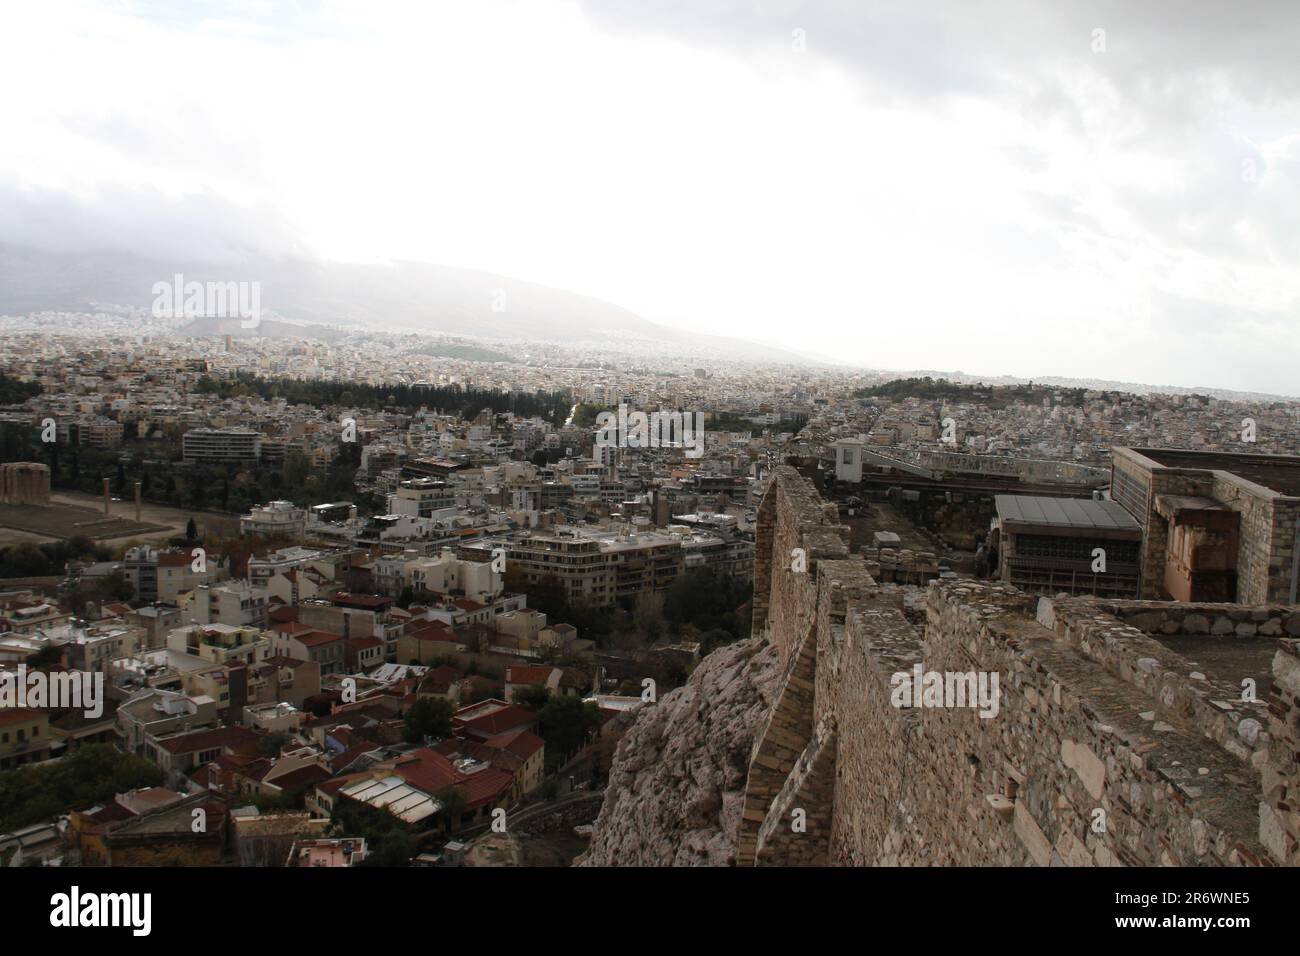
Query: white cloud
point(979, 191)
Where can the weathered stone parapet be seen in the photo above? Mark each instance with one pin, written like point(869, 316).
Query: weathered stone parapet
point(795, 531)
point(1226, 620)
point(1279, 811)
point(1210, 703)
point(901, 565)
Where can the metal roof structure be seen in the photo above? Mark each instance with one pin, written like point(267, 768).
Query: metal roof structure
point(408, 803)
point(1065, 512)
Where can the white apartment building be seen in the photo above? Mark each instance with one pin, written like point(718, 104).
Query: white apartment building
point(422, 498)
point(235, 603)
point(281, 518)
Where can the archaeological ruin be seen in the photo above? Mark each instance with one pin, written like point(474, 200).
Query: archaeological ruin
point(24, 483)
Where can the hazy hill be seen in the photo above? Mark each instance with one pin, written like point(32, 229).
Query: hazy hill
point(398, 296)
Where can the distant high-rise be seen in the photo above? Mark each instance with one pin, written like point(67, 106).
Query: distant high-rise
point(222, 446)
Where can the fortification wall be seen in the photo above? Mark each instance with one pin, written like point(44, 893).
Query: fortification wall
point(1107, 747)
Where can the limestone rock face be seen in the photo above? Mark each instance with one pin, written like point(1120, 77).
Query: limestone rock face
point(677, 784)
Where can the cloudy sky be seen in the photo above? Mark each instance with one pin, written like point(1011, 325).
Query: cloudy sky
point(1095, 189)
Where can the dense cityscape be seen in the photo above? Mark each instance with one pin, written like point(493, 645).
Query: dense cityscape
point(324, 579)
point(441, 443)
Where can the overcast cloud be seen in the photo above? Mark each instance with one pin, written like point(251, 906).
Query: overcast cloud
point(955, 185)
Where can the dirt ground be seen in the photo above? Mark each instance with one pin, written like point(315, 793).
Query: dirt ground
point(168, 522)
point(557, 848)
point(876, 516)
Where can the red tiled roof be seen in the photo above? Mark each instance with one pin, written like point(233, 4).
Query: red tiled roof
point(430, 771)
point(110, 813)
point(302, 777)
point(415, 626)
point(19, 715)
point(347, 758)
point(528, 674)
point(316, 638)
point(427, 770)
point(434, 631)
point(522, 743)
point(439, 680)
point(485, 786)
point(500, 721)
point(221, 737)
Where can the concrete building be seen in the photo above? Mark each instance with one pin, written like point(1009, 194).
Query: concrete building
point(24, 736)
point(277, 518)
point(235, 603)
point(421, 498)
point(598, 568)
point(848, 460)
point(162, 576)
point(220, 446)
point(1075, 545)
point(221, 643)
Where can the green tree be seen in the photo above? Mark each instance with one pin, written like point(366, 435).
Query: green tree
point(115, 587)
point(428, 717)
point(389, 841)
point(88, 775)
point(533, 697)
point(51, 655)
point(454, 804)
point(566, 723)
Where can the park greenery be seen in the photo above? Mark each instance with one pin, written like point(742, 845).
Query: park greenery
point(996, 396)
point(89, 774)
point(445, 399)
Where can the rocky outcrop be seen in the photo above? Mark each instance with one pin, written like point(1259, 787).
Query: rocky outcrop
point(677, 785)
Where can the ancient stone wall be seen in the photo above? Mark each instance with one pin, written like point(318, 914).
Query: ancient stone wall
point(1106, 747)
point(1279, 813)
point(901, 565)
point(24, 483)
point(959, 517)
